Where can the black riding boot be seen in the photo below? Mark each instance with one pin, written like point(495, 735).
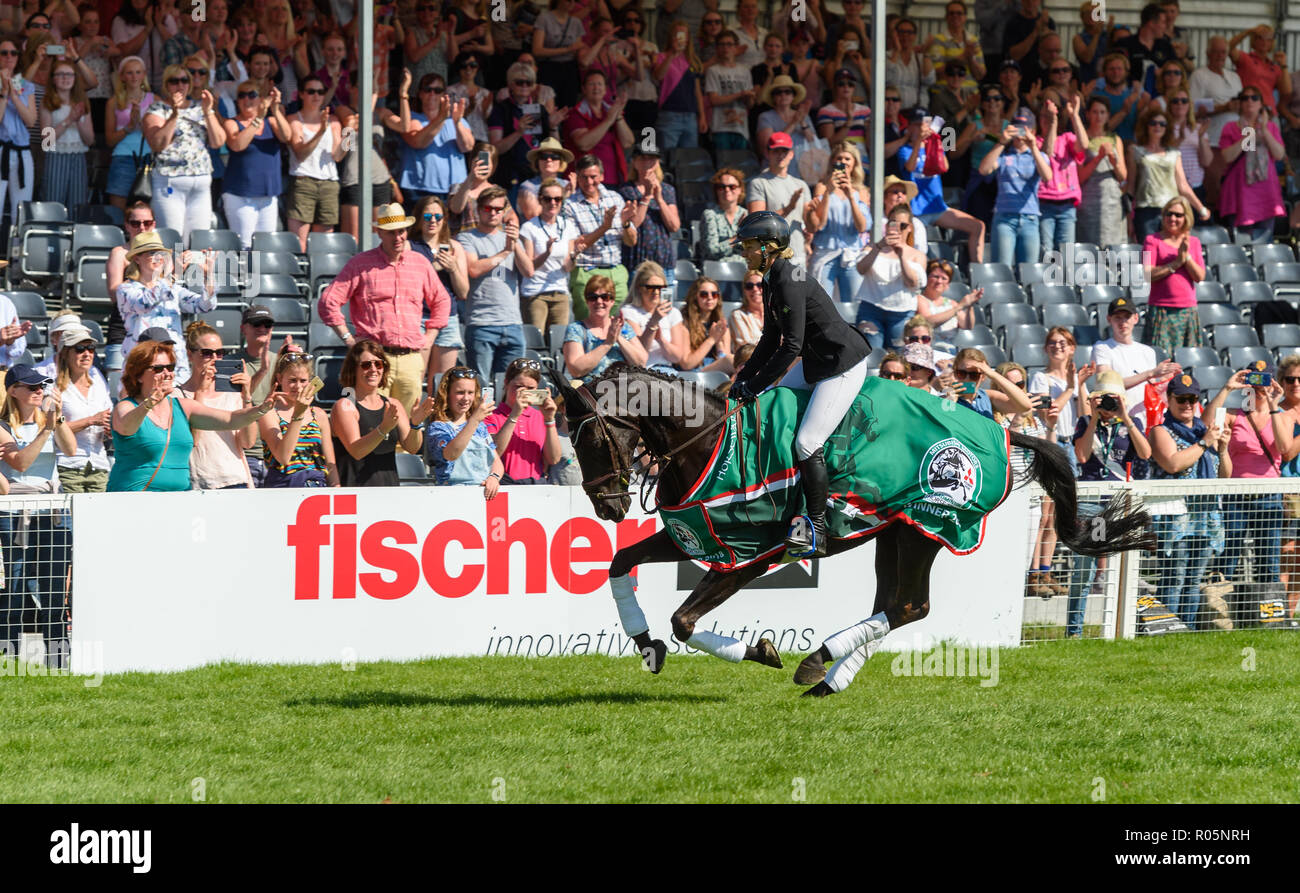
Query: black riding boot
point(807, 538)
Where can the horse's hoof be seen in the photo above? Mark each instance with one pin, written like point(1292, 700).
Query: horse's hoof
point(811, 670)
point(653, 658)
point(820, 690)
point(768, 655)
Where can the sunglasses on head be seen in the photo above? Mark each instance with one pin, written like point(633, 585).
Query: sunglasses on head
point(295, 356)
point(912, 339)
point(462, 372)
point(209, 353)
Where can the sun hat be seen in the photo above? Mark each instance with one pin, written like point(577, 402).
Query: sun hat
point(550, 144)
point(393, 216)
point(145, 242)
point(784, 81)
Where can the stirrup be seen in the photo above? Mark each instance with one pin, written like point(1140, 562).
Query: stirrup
point(802, 540)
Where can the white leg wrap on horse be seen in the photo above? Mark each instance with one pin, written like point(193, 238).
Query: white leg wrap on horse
point(846, 641)
point(629, 612)
point(841, 675)
point(725, 647)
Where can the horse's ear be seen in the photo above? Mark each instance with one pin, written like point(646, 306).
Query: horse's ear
point(572, 399)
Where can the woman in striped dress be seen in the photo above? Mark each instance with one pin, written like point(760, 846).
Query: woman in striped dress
point(297, 445)
point(65, 112)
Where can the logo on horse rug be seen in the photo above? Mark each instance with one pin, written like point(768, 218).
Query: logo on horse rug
point(950, 474)
point(739, 508)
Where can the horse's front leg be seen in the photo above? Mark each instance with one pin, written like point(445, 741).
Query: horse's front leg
point(714, 589)
point(656, 548)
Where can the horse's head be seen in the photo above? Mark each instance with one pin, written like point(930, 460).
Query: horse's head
point(604, 450)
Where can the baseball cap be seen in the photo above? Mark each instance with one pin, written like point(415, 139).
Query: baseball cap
point(25, 374)
point(845, 74)
point(652, 149)
point(780, 140)
point(1009, 63)
point(1022, 121)
point(159, 334)
point(916, 113)
point(1119, 304)
point(63, 321)
point(258, 313)
point(1261, 366)
point(1184, 384)
point(76, 334)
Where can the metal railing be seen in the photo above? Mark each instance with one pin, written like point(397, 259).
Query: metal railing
point(36, 578)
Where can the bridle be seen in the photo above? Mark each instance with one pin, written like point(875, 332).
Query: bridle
point(594, 488)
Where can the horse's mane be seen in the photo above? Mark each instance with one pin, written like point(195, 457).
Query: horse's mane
point(718, 400)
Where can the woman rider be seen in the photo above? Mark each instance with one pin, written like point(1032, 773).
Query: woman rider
point(800, 322)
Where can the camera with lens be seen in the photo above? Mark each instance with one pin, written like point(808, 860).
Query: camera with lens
point(1110, 403)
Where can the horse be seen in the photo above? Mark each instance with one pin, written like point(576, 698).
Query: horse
point(672, 419)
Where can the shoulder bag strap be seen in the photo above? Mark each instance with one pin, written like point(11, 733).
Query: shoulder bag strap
point(166, 444)
point(1260, 438)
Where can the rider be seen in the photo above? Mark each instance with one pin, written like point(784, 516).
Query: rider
point(800, 323)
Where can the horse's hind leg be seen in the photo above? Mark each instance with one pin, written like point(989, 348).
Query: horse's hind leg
point(714, 589)
point(656, 548)
point(905, 601)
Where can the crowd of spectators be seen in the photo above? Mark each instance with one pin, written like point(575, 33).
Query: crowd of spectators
point(521, 176)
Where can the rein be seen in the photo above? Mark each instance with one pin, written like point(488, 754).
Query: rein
point(623, 470)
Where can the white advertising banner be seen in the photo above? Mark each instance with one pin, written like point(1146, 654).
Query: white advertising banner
point(171, 581)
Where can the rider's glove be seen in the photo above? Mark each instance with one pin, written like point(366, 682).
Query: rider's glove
point(741, 392)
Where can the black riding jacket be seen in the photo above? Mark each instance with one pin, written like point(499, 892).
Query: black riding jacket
point(799, 320)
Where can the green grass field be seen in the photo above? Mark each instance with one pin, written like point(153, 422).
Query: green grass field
point(1177, 719)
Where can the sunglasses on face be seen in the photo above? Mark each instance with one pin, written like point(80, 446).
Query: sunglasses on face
point(84, 348)
point(8, 52)
point(209, 353)
point(600, 296)
point(368, 365)
point(782, 91)
point(1059, 344)
point(708, 294)
point(657, 287)
point(1187, 399)
point(890, 98)
point(912, 339)
point(753, 286)
point(552, 199)
point(471, 64)
point(198, 72)
point(43, 26)
point(144, 223)
point(160, 368)
point(178, 80)
point(522, 83)
point(495, 209)
point(893, 376)
point(248, 94)
point(1252, 97)
point(314, 91)
point(1291, 379)
point(1158, 124)
point(550, 156)
point(966, 374)
point(727, 186)
point(1065, 70)
point(32, 387)
point(1182, 100)
point(1177, 215)
point(260, 325)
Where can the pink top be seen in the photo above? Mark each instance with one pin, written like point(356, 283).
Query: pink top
point(523, 457)
point(1177, 289)
point(1257, 201)
point(1248, 458)
point(1065, 159)
point(387, 298)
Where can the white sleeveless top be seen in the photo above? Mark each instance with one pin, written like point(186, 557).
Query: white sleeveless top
point(319, 165)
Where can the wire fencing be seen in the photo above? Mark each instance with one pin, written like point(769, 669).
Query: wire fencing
point(36, 578)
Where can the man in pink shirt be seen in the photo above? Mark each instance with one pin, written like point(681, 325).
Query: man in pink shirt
point(387, 287)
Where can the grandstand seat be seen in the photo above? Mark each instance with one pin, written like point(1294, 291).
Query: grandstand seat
point(1002, 293)
point(687, 270)
point(280, 240)
point(291, 317)
point(1244, 293)
point(1241, 357)
point(685, 249)
point(692, 171)
point(677, 155)
point(1212, 378)
point(29, 305)
point(1233, 336)
point(555, 342)
point(973, 337)
point(1208, 292)
point(1029, 353)
point(96, 332)
point(1191, 357)
point(40, 241)
point(322, 338)
point(93, 289)
point(848, 311)
point(216, 239)
point(331, 243)
point(91, 243)
point(271, 285)
point(1271, 253)
point(1067, 315)
point(729, 275)
point(1082, 355)
point(533, 338)
point(1211, 235)
point(170, 237)
point(1281, 335)
point(226, 321)
point(322, 268)
point(1086, 336)
point(328, 369)
point(1025, 333)
point(984, 274)
point(1218, 314)
point(1042, 294)
point(1225, 254)
point(1003, 315)
point(275, 262)
point(1230, 273)
point(411, 470)
point(741, 159)
point(993, 355)
point(1284, 277)
point(1031, 273)
point(36, 338)
point(942, 251)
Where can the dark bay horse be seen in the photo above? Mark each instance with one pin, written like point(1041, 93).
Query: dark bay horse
point(676, 422)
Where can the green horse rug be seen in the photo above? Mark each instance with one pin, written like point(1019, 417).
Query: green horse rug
point(900, 454)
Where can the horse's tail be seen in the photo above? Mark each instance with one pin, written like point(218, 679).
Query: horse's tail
point(1118, 528)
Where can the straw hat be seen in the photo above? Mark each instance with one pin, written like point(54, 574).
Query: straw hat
point(784, 80)
point(393, 216)
point(550, 144)
point(908, 186)
point(144, 243)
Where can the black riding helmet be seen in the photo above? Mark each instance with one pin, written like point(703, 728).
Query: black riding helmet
point(765, 226)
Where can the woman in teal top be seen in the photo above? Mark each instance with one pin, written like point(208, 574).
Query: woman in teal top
point(152, 437)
